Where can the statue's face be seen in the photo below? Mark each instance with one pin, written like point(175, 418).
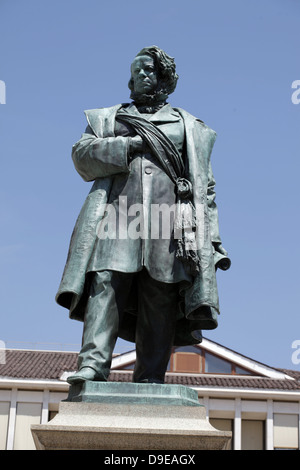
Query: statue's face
point(144, 74)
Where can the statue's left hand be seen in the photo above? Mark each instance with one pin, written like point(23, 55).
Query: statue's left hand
point(218, 247)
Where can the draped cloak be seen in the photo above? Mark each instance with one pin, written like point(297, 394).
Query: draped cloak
point(198, 307)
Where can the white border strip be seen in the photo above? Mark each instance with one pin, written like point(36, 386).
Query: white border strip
point(244, 362)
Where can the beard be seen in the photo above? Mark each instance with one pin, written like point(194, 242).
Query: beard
point(151, 99)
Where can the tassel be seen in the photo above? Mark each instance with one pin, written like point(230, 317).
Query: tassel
point(185, 227)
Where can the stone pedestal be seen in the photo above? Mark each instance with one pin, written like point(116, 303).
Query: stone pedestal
point(128, 416)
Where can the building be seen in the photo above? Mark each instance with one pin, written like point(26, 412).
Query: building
point(258, 403)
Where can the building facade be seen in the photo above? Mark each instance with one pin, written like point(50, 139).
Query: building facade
point(258, 403)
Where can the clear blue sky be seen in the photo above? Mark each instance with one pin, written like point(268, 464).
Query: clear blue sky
point(236, 61)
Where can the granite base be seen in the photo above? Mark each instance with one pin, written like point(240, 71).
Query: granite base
point(124, 416)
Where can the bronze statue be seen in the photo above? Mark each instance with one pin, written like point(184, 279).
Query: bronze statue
point(145, 248)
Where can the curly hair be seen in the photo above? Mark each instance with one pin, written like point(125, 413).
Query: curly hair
point(166, 70)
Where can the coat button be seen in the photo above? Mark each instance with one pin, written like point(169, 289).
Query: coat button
point(148, 170)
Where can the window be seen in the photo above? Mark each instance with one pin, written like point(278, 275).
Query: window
point(187, 362)
point(214, 364)
point(286, 431)
point(241, 371)
point(253, 434)
point(27, 414)
point(195, 360)
point(4, 412)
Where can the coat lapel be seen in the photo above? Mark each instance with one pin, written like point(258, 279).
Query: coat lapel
point(102, 120)
point(165, 114)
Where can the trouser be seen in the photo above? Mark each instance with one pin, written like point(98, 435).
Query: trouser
point(155, 326)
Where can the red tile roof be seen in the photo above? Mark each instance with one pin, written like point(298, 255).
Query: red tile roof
point(50, 365)
point(23, 364)
point(202, 380)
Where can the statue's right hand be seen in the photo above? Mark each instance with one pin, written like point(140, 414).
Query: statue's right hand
point(136, 144)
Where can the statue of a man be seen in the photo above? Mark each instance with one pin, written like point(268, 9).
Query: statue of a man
point(144, 251)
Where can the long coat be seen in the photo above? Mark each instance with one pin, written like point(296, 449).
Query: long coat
point(199, 302)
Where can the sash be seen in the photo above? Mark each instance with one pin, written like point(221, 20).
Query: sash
point(170, 159)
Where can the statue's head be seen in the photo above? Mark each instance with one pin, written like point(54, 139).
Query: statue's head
point(153, 76)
